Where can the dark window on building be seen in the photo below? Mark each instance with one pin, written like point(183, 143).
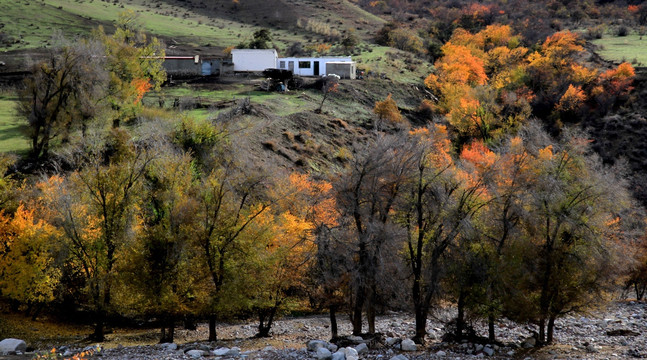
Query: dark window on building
point(282, 64)
point(304, 64)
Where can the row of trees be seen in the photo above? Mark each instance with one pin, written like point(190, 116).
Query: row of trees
point(530, 231)
point(144, 229)
point(147, 227)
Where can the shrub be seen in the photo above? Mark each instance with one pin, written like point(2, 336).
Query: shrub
point(622, 31)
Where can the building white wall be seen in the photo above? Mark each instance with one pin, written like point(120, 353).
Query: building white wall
point(254, 59)
point(284, 63)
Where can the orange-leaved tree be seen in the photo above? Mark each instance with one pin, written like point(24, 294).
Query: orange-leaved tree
point(29, 272)
point(388, 110)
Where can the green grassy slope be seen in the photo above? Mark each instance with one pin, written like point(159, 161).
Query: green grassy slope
point(193, 23)
point(632, 48)
point(12, 129)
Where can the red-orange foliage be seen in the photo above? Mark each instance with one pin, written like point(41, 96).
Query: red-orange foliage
point(572, 100)
point(478, 154)
point(141, 87)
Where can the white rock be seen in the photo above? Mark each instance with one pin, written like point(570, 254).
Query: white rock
point(195, 353)
point(350, 353)
point(355, 338)
point(332, 347)
point(235, 351)
point(478, 347)
point(11, 345)
point(221, 351)
point(391, 341)
point(399, 357)
point(339, 355)
point(441, 353)
point(361, 348)
point(324, 354)
point(408, 345)
point(169, 346)
point(488, 350)
point(313, 345)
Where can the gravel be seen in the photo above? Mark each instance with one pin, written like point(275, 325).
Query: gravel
point(576, 337)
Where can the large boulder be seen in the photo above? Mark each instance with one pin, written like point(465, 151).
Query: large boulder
point(221, 351)
point(169, 346)
point(12, 346)
point(361, 348)
point(313, 345)
point(323, 354)
point(195, 353)
point(408, 345)
point(339, 355)
point(488, 350)
point(350, 353)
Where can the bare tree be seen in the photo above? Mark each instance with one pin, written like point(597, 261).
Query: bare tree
point(366, 194)
point(437, 208)
point(62, 93)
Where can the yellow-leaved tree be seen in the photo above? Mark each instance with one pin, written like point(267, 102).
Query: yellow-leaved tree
point(29, 273)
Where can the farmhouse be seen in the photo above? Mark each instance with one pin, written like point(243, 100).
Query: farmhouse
point(191, 65)
point(319, 66)
point(253, 60)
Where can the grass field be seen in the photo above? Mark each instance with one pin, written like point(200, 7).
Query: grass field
point(277, 103)
point(196, 25)
point(629, 48)
point(12, 129)
point(395, 64)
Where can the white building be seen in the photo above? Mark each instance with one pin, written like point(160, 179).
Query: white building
point(254, 60)
point(311, 66)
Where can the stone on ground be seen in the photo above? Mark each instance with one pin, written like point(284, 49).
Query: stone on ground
point(313, 345)
point(11, 346)
point(408, 345)
point(361, 348)
point(323, 354)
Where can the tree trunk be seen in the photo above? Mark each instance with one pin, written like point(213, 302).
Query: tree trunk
point(490, 328)
point(189, 323)
point(551, 327)
point(542, 330)
point(264, 328)
point(421, 324)
point(460, 319)
point(168, 330)
point(357, 315)
point(640, 291)
point(370, 316)
point(333, 321)
point(212, 328)
point(99, 334)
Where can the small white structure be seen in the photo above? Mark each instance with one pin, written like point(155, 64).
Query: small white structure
point(253, 60)
point(311, 66)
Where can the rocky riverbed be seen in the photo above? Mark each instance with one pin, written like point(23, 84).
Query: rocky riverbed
point(617, 332)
